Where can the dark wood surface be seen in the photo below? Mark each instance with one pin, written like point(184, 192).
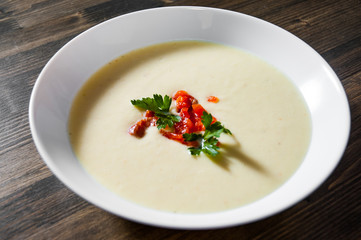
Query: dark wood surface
point(34, 204)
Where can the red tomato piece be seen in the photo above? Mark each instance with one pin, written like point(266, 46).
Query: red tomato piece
point(149, 113)
point(183, 102)
point(198, 110)
point(213, 99)
point(184, 126)
point(139, 128)
point(179, 93)
point(184, 113)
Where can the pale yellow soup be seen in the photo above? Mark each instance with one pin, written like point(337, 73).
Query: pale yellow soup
point(263, 109)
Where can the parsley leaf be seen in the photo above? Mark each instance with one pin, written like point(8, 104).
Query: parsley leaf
point(166, 119)
point(160, 107)
point(195, 151)
point(207, 119)
point(209, 141)
point(210, 147)
point(163, 105)
point(213, 130)
point(155, 104)
point(192, 136)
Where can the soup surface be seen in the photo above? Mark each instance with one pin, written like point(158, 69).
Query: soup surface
point(265, 112)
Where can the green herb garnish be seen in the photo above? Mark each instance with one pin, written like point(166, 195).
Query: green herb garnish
point(209, 140)
point(160, 107)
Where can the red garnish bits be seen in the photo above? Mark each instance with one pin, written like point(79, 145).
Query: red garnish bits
point(190, 112)
point(213, 99)
point(138, 129)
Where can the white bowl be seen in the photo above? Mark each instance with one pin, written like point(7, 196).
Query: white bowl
point(73, 64)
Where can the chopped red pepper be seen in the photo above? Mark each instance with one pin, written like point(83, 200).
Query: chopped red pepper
point(213, 99)
point(149, 113)
point(191, 113)
point(138, 129)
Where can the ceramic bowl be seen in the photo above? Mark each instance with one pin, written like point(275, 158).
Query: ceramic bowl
point(74, 63)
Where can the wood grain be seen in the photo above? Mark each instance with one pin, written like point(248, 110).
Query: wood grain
point(34, 204)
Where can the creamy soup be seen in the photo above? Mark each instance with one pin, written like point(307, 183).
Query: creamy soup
point(265, 112)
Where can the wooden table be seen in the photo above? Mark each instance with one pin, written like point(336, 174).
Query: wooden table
point(34, 204)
